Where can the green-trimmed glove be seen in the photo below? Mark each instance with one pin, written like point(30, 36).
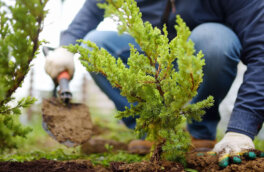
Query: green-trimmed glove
point(233, 146)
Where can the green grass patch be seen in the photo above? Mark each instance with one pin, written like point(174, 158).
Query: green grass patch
point(60, 155)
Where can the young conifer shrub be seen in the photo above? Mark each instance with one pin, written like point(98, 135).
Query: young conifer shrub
point(158, 90)
point(20, 25)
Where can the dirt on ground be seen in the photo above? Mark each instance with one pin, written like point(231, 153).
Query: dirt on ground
point(86, 166)
point(69, 124)
point(44, 165)
point(209, 163)
point(147, 166)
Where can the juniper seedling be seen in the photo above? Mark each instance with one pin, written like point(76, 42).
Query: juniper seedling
point(158, 92)
point(20, 25)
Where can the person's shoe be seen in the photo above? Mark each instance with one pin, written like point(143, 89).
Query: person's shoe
point(201, 145)
point(141, 147)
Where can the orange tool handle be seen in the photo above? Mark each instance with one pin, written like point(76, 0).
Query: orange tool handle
point(64, 75)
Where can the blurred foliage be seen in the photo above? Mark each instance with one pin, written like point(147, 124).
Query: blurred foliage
point(38, 139)
point(259, 144)
point(158, 92)
point(20, 25)
point(112, 128)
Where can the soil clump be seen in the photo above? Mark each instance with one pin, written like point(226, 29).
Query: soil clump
point(69, 124)
point(209, 163)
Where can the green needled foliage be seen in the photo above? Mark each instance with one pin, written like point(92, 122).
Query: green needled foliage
point(158, 92)
point(20, 25)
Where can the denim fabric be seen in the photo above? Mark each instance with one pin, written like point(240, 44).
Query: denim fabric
point(245, 123)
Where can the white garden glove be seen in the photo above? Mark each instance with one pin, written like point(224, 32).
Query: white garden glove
point(58, 61)
point(234, 145)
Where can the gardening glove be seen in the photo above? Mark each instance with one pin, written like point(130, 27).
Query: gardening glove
point(58, 61)
point(234, 145)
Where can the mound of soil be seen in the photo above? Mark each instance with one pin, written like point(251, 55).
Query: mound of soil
point(205, 163)
point(70, 125)
point(51, 166)
point(86, 166)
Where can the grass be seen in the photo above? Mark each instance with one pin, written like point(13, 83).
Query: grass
point(60, 155)
point(259, 144)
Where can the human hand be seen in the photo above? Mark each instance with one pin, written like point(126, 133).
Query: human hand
point(233, 146)
point(58, 61)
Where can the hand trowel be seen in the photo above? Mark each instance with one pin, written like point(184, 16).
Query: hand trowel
point(68, 123)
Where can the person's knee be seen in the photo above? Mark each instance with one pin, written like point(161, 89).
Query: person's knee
point(117, 45)
point(219, 44)
point(100, 38)
point(216, 40)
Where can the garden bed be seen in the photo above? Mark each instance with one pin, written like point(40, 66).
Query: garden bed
point(44, 165)
point(121, 161)
point(203, 163)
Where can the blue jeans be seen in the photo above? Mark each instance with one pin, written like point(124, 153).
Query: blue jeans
point(221, 48)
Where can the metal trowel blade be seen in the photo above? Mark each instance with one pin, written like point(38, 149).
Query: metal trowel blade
point(67, 143)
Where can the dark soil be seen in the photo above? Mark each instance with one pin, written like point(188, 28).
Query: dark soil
point(51, 166)
point(209, 163)
point(86, 166)
point(70, 125)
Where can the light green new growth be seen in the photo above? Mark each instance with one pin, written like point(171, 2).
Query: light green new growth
point(160, 91)
point(20, 25)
